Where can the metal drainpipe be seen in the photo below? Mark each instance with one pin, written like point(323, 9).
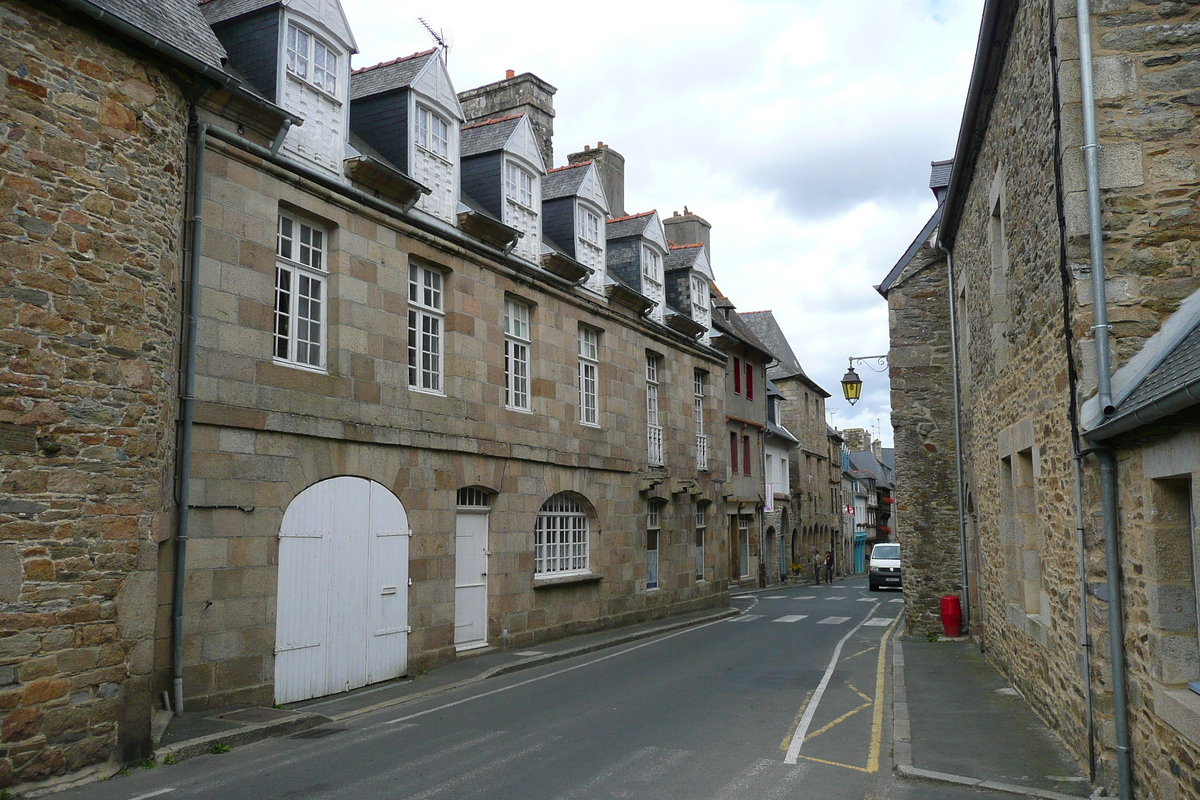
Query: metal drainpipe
point(187, 411)
point(958, 458)
point(1108, 467)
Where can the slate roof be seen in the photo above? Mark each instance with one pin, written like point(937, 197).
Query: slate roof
point(388, 76)
point(178, 23)
point(939, 173)
point(781, 432)
point(630, 225)
point(734, 326)
point(1173, 385)
point(564, 181)
point(767, 329)
point(216, 11)
point(896, 271)
point(488, 136)
point(682, 256)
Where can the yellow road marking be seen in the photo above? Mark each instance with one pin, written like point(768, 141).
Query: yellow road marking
point(859, 653)
point(857, 692)
point(842, 718)
point(787, 737)
point(877, 721)
point(834, 763)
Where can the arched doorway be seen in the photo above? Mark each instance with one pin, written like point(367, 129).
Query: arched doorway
point(342, 602)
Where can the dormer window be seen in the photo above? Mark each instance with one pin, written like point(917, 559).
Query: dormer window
point(518, 185)
point(311, 59)
point(589, 227)
point(700, 299)
point(433, 133)
point(652, 279)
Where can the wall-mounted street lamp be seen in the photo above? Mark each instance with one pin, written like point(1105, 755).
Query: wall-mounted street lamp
point(852, 384)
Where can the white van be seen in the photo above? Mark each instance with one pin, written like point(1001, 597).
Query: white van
point(885, 566)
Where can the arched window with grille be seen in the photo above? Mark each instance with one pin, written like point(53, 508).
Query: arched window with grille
point(561, 538)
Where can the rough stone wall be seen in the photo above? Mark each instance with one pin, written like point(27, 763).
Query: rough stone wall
point(804, 415)
point(91, 203)
point(926, 490)
point(267, 431)
point(1016, 396)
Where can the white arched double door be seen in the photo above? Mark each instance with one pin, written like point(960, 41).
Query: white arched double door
point(342, 614)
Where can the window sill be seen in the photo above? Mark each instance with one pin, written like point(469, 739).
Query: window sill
point(432, 392)
point(1180, 709)
point(283, 362)
point(565, 580)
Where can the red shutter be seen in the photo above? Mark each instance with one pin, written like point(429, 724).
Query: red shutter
point(746, 470)
point(737, 376)
point(749, 381)
point(733, 448)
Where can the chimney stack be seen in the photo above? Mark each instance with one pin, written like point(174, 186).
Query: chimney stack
point(689, 228)
point(525, 93)
point(611, 166)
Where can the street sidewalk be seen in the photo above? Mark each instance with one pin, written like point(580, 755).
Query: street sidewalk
point(957, 721)
point(196, 733)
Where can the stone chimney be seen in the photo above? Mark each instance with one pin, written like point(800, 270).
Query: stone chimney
point(611, 166)
point(689, 228)
point(515, 94)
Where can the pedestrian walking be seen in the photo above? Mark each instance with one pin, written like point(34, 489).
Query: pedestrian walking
point(829, 566)
point(816, 563)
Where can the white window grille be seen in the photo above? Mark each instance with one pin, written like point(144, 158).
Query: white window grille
point(700, 306)
point(654, 435)
point(473, 497)
point(300, 279)
point(652, 277)
point(589, 365)
point(311, 59)
point(561, 538)
point(433, 133)
point(653, 528)
point(516, 355)
point(425, 324)
point(701, 535)
point(518, 185)
point(698, 379)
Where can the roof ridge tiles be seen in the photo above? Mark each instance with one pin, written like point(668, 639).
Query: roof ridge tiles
point(361, 70)
point(492, 121)
point(570, 166)
point(632, 216)
point(686, 246)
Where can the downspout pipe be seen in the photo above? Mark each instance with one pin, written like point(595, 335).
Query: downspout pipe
point(1108, 466)
point(187, 414)
point(958, 447)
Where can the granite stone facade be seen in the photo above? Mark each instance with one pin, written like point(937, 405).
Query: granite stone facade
point(91, 211)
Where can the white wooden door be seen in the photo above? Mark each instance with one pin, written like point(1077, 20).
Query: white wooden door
point(343, 545)
point(470, 579)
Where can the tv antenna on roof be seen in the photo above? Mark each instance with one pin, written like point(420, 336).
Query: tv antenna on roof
point(443, 39)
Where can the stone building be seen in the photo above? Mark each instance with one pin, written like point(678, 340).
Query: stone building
point(1078, 432)
point(283, 336)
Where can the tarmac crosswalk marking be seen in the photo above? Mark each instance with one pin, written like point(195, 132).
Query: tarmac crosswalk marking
point(776, 597)
point(866, 599)
point(833, 620)
point(836, 597)
point(791, 618)
point(897, 600)
point(746, 618)
point(807, 597)
point(880, 622)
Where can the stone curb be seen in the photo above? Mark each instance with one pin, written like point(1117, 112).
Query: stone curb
point(536, 661)
point(902, 746)
point(236, 737)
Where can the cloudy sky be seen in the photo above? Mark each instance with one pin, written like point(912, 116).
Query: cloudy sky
point(801, 129)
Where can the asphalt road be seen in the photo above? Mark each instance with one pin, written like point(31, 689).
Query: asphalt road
point(785, 701)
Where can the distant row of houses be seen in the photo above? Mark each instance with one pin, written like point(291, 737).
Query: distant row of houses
point(316, 376)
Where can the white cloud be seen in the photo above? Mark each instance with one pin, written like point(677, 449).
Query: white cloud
point(802, 131)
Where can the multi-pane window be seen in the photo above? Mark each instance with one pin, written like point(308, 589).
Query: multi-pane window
point(699, 299)
point(589, 227)
point(701, 535)
point(654, 436)
point(425, 323)
point(300, 276)
point(589, 365)
point(652, 271)
point(518, 185)
point(433, 132)
point(561, 537)
point(311, 59)
point(698, 412)
point(653, 527)
point(516, 355)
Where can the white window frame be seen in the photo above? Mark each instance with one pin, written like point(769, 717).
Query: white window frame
point(654, 431)
point(426, 329)
point(516, 355)
point(589, 226)
point(652, 274)
point(312, 59)
point(698, 386)
point(518, 185)
point(653, 535)
point(432, 132)
point(589, 376)
point(301, 294)
point(699, 297)
point(701, 528)
point(561, 538)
